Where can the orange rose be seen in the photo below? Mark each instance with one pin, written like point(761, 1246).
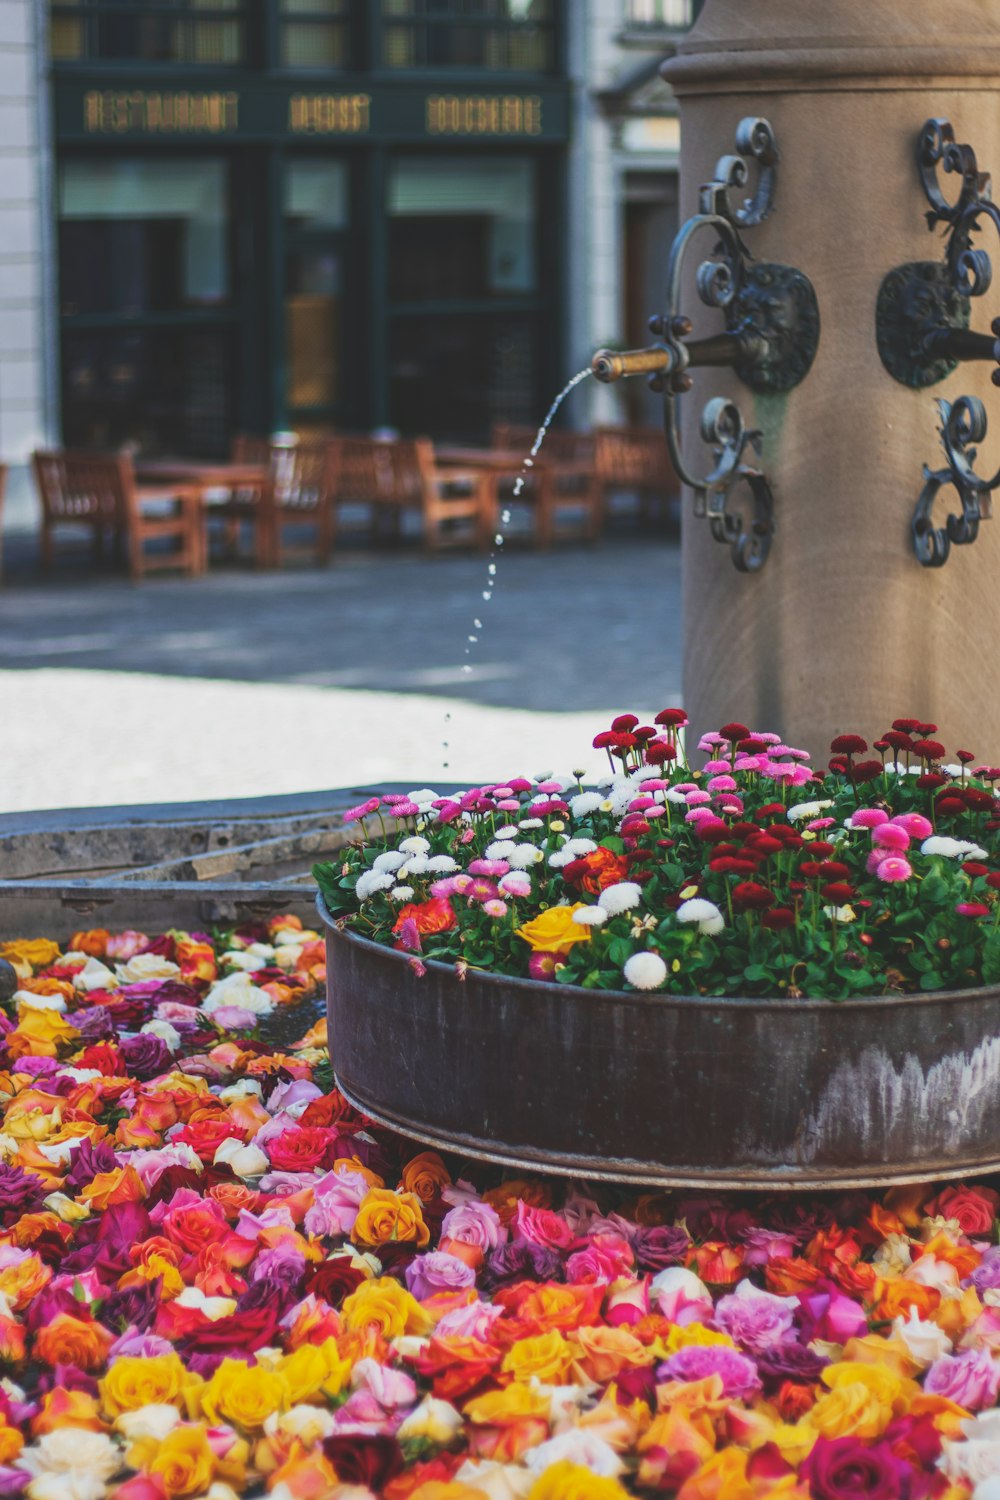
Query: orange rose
point(120, 1185)
point(907, 1202)
point(553, 1304)
point(62, 1408)
point(898, 1297)
point(435, 915)
point(506, 1197)
point(604, 1352)
point(425, 1175)
point(21, 1282)
point(93, 942)
point(385, 1216)
point(718, 1263)
point(73, 1341)
point(196, 960)
point(674, 1447)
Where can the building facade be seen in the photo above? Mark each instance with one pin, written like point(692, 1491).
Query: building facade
point(257, 215)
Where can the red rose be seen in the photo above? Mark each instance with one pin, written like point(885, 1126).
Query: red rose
point(334, 1280)
point(974, 1208)
point(299, 1149)
point(250, 1329)
point(370, 1461)
point(330, 1109)
point(206, 1136)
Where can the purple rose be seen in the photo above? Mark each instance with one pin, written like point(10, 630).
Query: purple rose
point(754, 1319)
point(987, 1274)
point(521, 1260)
point(713, 1219)
point(698, 1361)
point(762, 1245)
point(660, 1245)
point(790, 1361)
point(845, 1469)
point(971, 1379)
point(825, 1312)
point(87, 1162)
point(131, 1308)
point(13, 1481)
point(146, 1056)
point(94, 1024)
point(20, 1190)
point(437, 1271)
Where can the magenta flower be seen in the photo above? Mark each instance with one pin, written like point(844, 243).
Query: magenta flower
point(916, 825)
point(483, 890)
point(363, 810)
point(495, 907)
point(722, 784)
point(972, 909)
point(494, 867)
point(891, 836)
point(698, 1361)
point(894, 868)
point(543, 965)
point(869, 817)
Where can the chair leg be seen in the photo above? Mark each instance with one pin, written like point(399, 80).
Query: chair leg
point(46, 546)
point(135, 556)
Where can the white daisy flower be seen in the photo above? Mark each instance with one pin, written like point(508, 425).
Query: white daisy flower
point(590, 916)
point(707, 915)
point(531, 823)
point(414, 844)
point(440, 864)
point(951, 848)
point(620, 897)
point(581, 846)
point(371, 881)
point(522, 856)
point(645, 971)
point(807, 810)
point(390, 860)
point(401, 893)
point(584, 803)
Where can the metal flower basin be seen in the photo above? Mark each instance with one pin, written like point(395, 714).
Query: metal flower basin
point(667, 1090)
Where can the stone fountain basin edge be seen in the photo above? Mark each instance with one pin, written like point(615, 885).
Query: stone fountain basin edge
point(667, 1090)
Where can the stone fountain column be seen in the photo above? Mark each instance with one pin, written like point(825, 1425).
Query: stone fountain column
point(843, 628)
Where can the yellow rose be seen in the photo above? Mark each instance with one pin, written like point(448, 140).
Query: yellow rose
point(388, 1305)
point(183, 1460)
point(851, 1411)
point(314, 1368)
point(554, 931)
point(568, 1481)
point(384, 1216)
point(38, 952)
point(547, 1357)
point(243, 1395)
point(602, 1353)
point(511, 1404)
point(41, 1033)
point(11, 1443)
point(682, 1338)
point(132, 1383)
point(886, 1385)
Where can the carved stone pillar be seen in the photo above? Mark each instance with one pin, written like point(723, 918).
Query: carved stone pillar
point(843, 628)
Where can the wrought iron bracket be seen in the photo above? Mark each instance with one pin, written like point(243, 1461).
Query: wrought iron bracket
point(922, 329)
point(923, 308)
point(772, 332)
point(963, 423)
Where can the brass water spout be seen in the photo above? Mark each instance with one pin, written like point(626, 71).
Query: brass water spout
point(670, 360)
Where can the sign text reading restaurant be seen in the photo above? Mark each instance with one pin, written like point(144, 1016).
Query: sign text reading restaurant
point(140, 112)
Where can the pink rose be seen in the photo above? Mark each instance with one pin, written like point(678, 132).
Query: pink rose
point(605, 1258)
point(681, 1296)
point(541, 1226)
point(474, 1223)
point(826, 1313)
point(756, 1320)
point(335, 1207)
point(971, 1379)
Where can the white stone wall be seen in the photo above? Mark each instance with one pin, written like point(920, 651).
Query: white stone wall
point(22, 321)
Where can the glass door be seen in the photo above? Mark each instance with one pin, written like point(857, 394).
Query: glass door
point(316, 221)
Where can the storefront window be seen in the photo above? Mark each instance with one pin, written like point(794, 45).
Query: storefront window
point(142, 235)
point(316, 218)
point(315, 33)
point(191, 31)
point(463, 246)
point(460, 229)
point(146, 297)
point(504, 35)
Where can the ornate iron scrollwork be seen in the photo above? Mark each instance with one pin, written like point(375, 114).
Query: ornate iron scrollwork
point(922, 330)
point(962, 424)
point(772, 333)
point(922, 314)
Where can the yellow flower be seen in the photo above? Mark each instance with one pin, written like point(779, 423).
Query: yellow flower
point(38, 952)
point(682, 1338)
point(384, 1216)
point(388, 1305)
point(554, 931)
point(314, 1368)
point(568, 1481)
point(183, 1460)
point(546, 1356)
point(509, 1405)
point(134, 1382)
point(41, 1033)
point(885, 1384)
point(853, 1410)
point(244, 1395)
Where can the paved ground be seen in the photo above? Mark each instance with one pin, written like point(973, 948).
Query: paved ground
point(100, 705)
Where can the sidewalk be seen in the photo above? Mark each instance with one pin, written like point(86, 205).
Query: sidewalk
point(245, 684)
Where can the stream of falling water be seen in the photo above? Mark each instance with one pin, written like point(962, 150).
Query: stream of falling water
point(472, 639)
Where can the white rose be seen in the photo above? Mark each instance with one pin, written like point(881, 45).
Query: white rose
point(66, 1450)
point(212, 1307)
point(27, 1000)
point(246, 1161)
point(495, 1481)
point(578, 1446)
point(147, 966)
point(72, 1485)
point(165, 1032)
point(433, 1419)
point(96, 976)
point(148, 1422)
point(310, 1424)
point(925, 1341)
point(238, 989)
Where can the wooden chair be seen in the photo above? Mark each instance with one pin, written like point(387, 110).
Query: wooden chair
point(563, 492)
point(634, 460)
point(301, 492)
point(456, 506)
point(98, 490)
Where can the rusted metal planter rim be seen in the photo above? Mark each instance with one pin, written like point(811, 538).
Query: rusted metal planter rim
point(637, 998)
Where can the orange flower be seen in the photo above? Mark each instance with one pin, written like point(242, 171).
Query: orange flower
point(73, 1341)
point(506, 1197)
point(604, 1352)
point(62, 1408)
point(552, 1304)
point(435, 915)
point(93, 942)
point(38, 952)
point(898, 1297)
point(120, 1185)
point(788, 1275)
point(506, 1423)
point(197, 961)
point(965, 1258)
point(22, 1281)
point(885, 1222)
point(425, 1175)
point(908, 1202)
point(675, 1447)
point(11, 1443)
point(718, 1263)
point(41, 1033)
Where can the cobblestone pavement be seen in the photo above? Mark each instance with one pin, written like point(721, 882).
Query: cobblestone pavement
point(100, 705)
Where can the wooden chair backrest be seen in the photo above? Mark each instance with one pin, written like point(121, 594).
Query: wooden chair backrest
point(304, 474)
point(559, 446)
point(365, 473)
point(83, 486)
point(250, 450)
point(404, 470)
point(633, 458)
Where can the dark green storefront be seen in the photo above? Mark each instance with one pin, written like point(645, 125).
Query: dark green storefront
point(289, 215)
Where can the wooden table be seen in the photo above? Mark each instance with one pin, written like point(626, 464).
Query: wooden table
point(200, 477)
point(498, 464)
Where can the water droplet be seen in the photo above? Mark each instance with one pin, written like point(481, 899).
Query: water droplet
point(498, 539)
point(529, 463)
point(518, 485)
point(479, 625)
point(505, 517)
point(487, 593)
point(466, 668)
point(473, 638)
point(491, 570)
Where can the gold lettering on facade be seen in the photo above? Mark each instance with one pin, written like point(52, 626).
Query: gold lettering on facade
point(109, 112)
point(475, 114)
point(329, 114)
